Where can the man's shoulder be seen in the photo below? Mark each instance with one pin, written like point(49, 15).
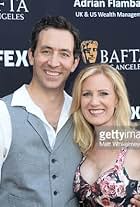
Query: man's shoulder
point(4, 112)
point(8, 98)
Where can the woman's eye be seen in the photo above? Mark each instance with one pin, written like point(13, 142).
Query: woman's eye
point(104, 93)
point(87, 94)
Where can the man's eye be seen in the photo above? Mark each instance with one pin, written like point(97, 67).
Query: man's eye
point(46, 51)
point(65, 54)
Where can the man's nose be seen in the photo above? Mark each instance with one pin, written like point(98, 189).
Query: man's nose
point(54, 60)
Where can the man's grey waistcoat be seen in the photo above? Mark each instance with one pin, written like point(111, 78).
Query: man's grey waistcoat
point(33, 174)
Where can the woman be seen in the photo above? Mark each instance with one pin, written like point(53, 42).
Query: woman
point(106, 176)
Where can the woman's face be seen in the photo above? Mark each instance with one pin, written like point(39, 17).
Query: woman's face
point(98, 100)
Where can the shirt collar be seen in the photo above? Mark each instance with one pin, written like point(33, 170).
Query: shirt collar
point(22, 98)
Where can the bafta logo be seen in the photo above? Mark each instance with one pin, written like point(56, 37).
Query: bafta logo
point(89, 51)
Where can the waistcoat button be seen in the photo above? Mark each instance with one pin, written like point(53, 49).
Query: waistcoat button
point(55, 192)
point(53, 176)
point(53, 160)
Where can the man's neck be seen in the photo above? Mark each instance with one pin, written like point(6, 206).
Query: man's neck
point(43, 96)
point(50, 102)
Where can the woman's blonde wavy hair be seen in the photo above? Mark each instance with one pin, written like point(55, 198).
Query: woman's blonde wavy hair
point(83, 131)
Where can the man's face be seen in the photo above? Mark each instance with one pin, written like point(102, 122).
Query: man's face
point(53, 59)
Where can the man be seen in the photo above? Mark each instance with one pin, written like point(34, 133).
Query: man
point(39, 156)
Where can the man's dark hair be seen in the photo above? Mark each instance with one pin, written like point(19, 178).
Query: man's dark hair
point(57, 22)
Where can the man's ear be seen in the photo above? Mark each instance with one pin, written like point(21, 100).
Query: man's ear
point(75, 64)
point(30, 56)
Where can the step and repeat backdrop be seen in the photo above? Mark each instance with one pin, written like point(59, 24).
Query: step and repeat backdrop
point(110, 29)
